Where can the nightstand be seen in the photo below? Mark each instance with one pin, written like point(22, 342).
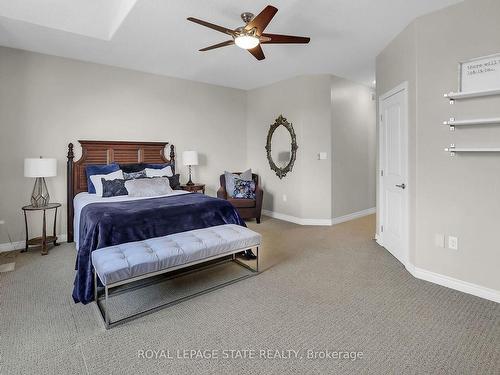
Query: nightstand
point(194, 188)
point(44, 240)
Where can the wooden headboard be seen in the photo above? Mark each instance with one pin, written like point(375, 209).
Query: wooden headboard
point(106, 152)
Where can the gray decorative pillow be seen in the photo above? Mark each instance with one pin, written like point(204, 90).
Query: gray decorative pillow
point(230, 178)
point(134, 175)
point(148, 187)
point(113, 188)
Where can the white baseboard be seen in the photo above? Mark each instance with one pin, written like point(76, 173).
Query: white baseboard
point(324, 222)
point(21, 244)
point(354, 215)
point(452, 283)
point(297, 220)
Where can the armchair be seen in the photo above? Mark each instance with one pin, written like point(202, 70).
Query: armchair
point(247, 208)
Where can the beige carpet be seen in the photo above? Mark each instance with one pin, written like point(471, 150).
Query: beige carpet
point(322, 289)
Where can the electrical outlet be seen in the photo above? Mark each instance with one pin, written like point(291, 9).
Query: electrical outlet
point(284, 198)
point(452, 243)
point(439, 240)
point(2, 222)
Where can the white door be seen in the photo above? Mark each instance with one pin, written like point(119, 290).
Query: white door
point(393, 186)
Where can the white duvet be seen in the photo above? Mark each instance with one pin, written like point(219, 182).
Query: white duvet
point(83, 199)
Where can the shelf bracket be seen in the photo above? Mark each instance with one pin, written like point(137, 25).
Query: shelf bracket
point(450, 123)
point(447, 96)
point(451, 149)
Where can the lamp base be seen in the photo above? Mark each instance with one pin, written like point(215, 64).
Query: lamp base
point(190, 182)
point(40, 196)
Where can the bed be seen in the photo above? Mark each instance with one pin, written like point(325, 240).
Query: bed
point(97, 222)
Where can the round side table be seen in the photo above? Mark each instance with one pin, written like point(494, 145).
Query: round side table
point(44, 240)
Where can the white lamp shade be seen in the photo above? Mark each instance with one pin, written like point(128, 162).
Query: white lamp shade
point(40, 167)
point(190, 157)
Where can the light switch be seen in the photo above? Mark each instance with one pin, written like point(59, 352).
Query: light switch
point(439, 240)
point(322, 156)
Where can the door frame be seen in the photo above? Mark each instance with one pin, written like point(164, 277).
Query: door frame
point(403, 87)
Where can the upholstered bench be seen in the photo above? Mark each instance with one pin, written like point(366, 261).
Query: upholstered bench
point(133, 261)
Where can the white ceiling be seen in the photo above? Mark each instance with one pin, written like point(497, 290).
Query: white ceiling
point(154, 36)
point(93, 18)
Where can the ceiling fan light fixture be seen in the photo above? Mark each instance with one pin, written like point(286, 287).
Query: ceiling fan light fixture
point(246, 41)
point(251, 36)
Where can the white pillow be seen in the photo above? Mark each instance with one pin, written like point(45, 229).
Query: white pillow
point(96, 180)
point(148, 187)
point(164, 172)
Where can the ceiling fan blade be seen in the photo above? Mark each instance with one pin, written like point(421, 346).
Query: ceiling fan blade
point(211, 26)
point(261, 21)
point(219, 45)
point(257, 52)
point(279, 39)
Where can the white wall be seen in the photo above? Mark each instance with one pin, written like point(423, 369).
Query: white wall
point(47, 102)
point(354, 144)
point(329, 114)
point(305, 102)
point(453, 196)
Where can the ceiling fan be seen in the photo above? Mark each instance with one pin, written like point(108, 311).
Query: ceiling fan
point(252, 35)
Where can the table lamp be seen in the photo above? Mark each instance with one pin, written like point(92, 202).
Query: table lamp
point(39, 168)
point(190, 158)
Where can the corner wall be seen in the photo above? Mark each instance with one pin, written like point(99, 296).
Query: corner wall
point(354, 148)
point(459, 195)
point(329, 114)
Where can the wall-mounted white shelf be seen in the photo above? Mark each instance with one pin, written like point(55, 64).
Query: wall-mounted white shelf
point(470, 94)
point(453, 149)
point(452, 122)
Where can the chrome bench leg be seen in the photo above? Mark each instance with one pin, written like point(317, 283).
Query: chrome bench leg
point(256, 269)
point(106, 312)
point(95, 286)
point(257, 259)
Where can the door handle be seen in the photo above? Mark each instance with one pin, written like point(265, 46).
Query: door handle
point(402, 186)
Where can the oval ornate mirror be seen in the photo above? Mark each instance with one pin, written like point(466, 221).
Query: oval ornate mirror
point(281, 147)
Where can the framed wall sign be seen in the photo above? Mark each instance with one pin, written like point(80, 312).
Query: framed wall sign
point(480, 74)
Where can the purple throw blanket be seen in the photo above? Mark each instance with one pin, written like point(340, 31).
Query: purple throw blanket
point(114, 223)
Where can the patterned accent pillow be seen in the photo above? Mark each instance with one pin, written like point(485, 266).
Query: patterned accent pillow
point(134, 175)
point(247, 176)
point(244, 189)
point(174, 181)
point(113, 188)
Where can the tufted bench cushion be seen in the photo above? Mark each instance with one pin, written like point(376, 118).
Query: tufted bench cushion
point(133, 259)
